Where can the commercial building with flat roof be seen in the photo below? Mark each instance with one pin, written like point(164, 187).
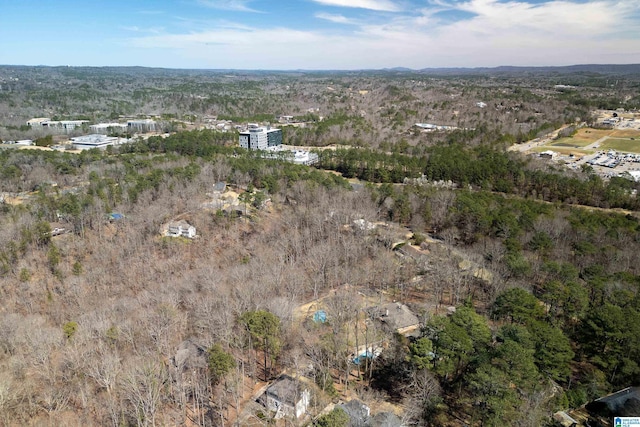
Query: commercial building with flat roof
point(107, 128)
point(57, 125)
point(145, 125)
point(88, 142)
point(38, 121)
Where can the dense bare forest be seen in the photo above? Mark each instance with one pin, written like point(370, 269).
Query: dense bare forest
point(524, 282)
point(358, 108)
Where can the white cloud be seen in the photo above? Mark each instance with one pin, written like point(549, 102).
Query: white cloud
point(136, 29)
point(338, 19)
point(555, 16)
point(245, 39)
point(496, 33)
point(381, 5)
point(236, 5)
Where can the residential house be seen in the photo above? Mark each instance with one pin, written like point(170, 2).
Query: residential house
point(623, 403)
point(181, 229)
point(359, 413)
point(386, 419)
point(189, 366)
point(220, 187)
point(189, 357)
point(398, 318)
point(58, 228)
point(287, 397)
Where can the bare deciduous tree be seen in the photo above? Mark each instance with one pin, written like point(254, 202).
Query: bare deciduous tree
point(143, 387)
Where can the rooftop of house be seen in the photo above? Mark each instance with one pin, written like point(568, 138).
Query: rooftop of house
point(623, 403)
point(386, 419)
point(396, 315)
point(190, 356)
point(182, 223)
point(286, 390)
point(220, 186)
point(357, 411)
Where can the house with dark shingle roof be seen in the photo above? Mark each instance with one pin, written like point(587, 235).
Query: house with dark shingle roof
point(287, 397)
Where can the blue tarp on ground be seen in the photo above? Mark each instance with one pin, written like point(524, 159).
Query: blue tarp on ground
point(366, 355)
point(320, 316)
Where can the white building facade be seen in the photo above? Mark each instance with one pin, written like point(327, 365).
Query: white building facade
point(260, 138)
point(141, 126)
point(181, 229)
point(107, 128)
point(88, 142)
point(65, 126)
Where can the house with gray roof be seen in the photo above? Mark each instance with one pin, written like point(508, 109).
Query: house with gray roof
point(397, 317)
point(359, 413)
point(287, 397)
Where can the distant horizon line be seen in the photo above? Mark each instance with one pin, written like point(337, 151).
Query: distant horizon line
point(391, 69)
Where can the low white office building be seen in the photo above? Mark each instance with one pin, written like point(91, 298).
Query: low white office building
point(107, 128)
point(38, 121)
point(87, 142)
point(65, 126)
point(24, 142)
point(142, 126)
point(301, 157)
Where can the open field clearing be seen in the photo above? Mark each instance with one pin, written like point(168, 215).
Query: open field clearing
point(625, 133)
point(586, 136)
point(565, 151)
point(584, 142)
point(622, 144)
point(571, 142)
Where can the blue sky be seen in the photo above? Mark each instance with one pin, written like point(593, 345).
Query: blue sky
point(319, 34)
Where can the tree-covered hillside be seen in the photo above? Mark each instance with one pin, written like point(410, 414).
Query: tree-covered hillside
point(523, 277)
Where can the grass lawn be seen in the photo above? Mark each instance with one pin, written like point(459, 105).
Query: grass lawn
point(626, 145)
point(626, 133)
point(586, 136)
point(571, 142)
point(582, 138)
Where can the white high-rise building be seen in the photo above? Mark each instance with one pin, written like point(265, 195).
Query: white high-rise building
point(260, 138)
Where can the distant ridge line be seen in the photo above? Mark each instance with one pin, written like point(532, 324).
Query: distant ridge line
point(503, 69)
